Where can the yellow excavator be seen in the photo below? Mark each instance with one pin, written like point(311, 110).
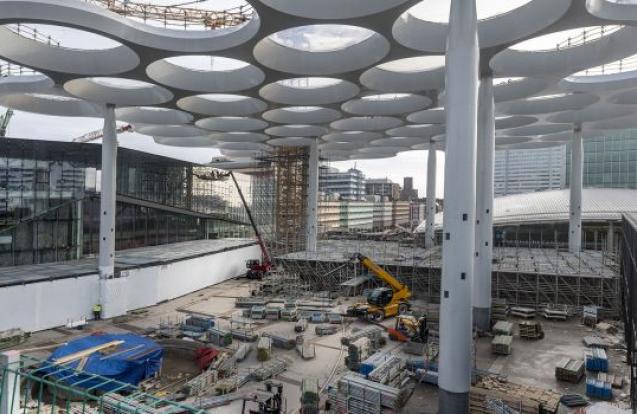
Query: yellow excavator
point(382, 302)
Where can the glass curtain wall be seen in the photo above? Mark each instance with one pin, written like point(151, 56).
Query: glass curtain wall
point(49, 201)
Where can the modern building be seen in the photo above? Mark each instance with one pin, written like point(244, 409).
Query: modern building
point(383, 187)
point(401, 213)
point(610, 161)
point(383, 211)
point(50, 196)
point(527, 170)
point(357, 215)
point(408, 193)
point(349, 185)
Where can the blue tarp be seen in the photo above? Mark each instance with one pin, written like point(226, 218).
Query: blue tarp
point(134, 360)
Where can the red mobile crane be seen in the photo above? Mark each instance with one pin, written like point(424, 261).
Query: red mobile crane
point(256, 269)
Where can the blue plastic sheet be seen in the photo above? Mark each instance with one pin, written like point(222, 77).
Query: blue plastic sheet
point(136, 359)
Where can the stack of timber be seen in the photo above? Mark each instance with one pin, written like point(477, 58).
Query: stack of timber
point(616, 381)
point(358, 351)
point(499, 309)
point(325, 329)
point(570, 370)
point(503, 328)
point(269, 369)
point(501, 345)
point(369, 393)
point(523, 312)
point(373, 333)
point(522, 398)
point(531, 330)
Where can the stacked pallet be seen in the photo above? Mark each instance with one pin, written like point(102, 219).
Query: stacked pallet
point(553, 311)
point(522, 398)
point(358, 351)
point(530, 330)
point(499, 310)
point(373, 333)
point(595, 342)
point(501, 345)
point(249, 302)
point(599, 389)
point(391, 371)
point(596, 360)
point(272, 313)
point(523, 312)
point(219, 337)
point(357, 388)
point(372, 362)
point(503, 328)
point(269, 370)
point(264, 348)
point(570, 370)
point(325, 329)
point(289, 314)
point(616, 381)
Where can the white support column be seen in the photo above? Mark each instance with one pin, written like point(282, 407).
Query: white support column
point(108, 202)
point(312, 198)
point(430, 240)
point(10, 392)
point(454, 376)
point(484, 206)
point(575, 217)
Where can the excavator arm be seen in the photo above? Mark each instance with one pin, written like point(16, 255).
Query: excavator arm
point(381, 273)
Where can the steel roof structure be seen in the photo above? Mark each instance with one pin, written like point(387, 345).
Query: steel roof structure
point(598, 204)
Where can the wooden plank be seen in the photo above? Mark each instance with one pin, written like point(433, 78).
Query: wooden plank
point(87, 352)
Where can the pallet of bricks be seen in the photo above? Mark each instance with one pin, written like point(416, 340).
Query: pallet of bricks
point(490, 392)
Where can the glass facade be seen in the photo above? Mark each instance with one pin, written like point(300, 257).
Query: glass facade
point(528, 170)
point(609, 161)
point(49, 201)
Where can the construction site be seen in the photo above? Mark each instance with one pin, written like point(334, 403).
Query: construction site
point(351, 327)
point(267, 281)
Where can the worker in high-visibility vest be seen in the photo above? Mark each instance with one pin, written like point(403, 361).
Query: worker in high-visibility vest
point(97, 311)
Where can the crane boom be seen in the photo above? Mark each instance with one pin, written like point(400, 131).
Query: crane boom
point(257, 233)
point(381, 273)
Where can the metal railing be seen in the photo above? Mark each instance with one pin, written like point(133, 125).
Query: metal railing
point(47, 387)
point(619, 66)
point(31, 32)
point(178, 16)
point(12, 69)
point(587, 35)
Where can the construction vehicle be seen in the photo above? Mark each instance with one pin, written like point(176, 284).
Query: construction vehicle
point(257, 269)
point(268, 401)
point(382, 302)
point(409, 328)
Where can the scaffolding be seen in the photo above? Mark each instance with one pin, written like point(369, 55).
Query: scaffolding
point(280, 198)
point(31, 386)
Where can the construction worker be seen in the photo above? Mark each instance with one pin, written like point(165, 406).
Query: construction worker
point(97, 312)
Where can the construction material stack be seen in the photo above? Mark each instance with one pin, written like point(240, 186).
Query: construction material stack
point(499, 310)
point(530, 330)
point(570, 370)
point(310, 397)
point(264, 348)
point(355, 394)
point(523, 312)
point(358, 351)
point(374, 333)
point(503, 328)
point(523, 399)
point(501, 345)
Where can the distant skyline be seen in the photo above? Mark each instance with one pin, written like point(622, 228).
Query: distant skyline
point(55, 128)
